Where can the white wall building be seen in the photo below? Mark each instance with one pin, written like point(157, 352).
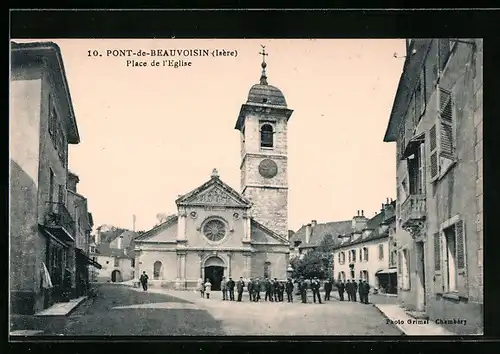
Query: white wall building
point(367, 254)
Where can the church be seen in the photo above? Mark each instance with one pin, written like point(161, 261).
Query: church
point(219, 231)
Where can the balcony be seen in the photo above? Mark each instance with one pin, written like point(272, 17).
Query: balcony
point(59, 221)
point(413, 211)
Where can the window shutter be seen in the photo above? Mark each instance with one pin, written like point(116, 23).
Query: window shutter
point(437, 252)
point(461, 260)
point(446, 124)
point(399, 262)
point(434, 151)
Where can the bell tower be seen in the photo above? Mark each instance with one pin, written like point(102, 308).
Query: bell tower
point(263, 123)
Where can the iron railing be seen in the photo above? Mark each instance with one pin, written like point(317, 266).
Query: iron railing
point(57, 216)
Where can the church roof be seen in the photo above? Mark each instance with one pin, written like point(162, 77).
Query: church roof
point(266, 94)
point(171, 219)
point(214, 192)
point(268, 231)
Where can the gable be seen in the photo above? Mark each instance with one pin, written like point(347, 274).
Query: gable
point(165, 232)
point(261, 234)
point(214, 193)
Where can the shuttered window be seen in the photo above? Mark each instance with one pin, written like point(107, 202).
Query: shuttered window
point(446, 124)
point(456, 262)
point(400, 262)
point(437, 251)
point(433, 144)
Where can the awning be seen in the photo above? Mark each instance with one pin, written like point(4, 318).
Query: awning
point(52, 237)
point(386, 271)
point(412, 146)
point(86, 259)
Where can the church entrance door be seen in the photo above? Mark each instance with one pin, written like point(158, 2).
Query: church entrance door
point(214, 274)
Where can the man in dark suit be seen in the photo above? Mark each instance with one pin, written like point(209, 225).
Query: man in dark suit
point(366, 292)
point(230, 288)
point(281, 291)
point(269, 290)
point(361, 291)
point(315, 286)
point(276, 289)
point(328, 289)
point(303, 290)
point(341, 289)
point(348, 290)
point(240, 286)
point(354, 290)
point(250, 289)
point(256, 289)
point(289, 290)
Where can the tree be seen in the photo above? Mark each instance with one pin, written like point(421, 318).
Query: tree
point(161, 217)
point(316, 263)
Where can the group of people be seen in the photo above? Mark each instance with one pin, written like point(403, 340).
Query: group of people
point(353, 287)
point(274, 289)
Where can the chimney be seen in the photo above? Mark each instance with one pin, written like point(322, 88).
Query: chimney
point(72, 181)
point(133, 222)
point(120, 242)
point(359, 221)
point(98, 237)
point(314, 223)
point(308, 233)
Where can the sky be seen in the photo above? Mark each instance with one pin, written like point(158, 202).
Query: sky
point(150, 134)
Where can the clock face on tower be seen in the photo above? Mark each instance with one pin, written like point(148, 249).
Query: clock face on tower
point(268, 168)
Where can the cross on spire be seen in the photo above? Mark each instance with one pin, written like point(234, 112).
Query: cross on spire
point(263, 77)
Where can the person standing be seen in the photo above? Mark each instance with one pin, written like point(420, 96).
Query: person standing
point(328, 289)
point(250, 289)
point(276, 289)
point(361, 291)
point(348, 289)
point(144, 281)
point(341, 289)
point(256, 290)
point(281, 291)
point(223, 286)
point(354, 290)
point(208, 288)
point(269, 290)
point(289, 290)
point(240, 286)
point(201, 287)
point(315, 286)
point(230, 288)
point(303, 291)
point(366, 292)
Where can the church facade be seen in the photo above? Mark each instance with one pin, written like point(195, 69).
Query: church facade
point(219, 231)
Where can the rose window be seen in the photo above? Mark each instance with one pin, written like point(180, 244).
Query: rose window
point(214, 230)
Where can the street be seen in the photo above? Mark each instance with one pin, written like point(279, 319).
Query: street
point(119, 310)
point(122, 310)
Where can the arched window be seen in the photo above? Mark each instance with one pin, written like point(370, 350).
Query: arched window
point(157, 270)
point(267, 273)
point(266, 136)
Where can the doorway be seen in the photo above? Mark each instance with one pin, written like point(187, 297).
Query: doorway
point(116, 276)
point(214, 274)
point(420, 258)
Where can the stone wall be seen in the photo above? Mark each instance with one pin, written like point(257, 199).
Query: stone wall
point(26, 245)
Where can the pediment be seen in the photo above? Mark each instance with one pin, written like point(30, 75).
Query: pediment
point(214, 193)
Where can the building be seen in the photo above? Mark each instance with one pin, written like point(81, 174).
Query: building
point(436, 122)
point(115, 253)
point(78, 209)
point(218, 231)
point(42, 231)
point(93, 255)
point(366, 253)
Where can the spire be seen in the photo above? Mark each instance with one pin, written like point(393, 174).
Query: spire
point(215, 174)
point(263, 77)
